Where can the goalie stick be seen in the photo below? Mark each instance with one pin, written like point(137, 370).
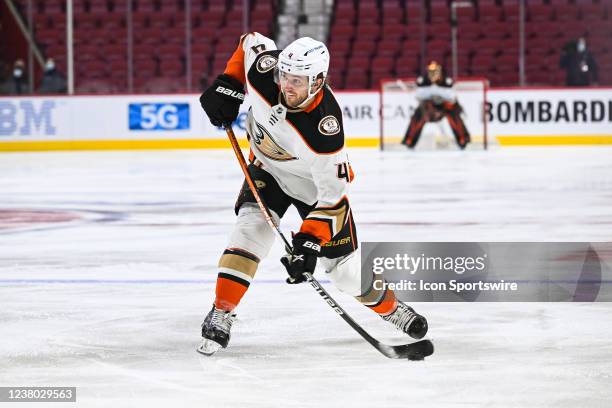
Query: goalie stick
point(412, 351)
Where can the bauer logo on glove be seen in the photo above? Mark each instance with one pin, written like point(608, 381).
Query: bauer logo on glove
point(226, 91)
point(222, 100)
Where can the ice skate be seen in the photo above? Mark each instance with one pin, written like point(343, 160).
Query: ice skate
point(216, 331)
point(407, 320)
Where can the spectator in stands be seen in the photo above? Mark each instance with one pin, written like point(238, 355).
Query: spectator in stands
point(17, 83)
point(579, 64)
point(52, 80)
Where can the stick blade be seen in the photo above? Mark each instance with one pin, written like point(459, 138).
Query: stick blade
point(413, 351)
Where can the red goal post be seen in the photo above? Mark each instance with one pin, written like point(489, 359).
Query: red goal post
point(398, 102)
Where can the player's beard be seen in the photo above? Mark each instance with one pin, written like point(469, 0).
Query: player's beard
point(293, 99)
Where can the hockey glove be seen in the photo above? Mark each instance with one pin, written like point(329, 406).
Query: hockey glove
point(306, 250)
point(222, 100)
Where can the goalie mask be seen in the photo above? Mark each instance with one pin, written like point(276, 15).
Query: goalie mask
point(434, 72)
point(308, 58)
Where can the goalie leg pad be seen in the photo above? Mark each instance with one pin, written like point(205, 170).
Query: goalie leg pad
point(417, 122)
point(462, 135)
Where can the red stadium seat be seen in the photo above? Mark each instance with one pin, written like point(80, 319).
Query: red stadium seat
point(436, 45)
point(345, 10)
point(410, 48)
point(165, 84)
point(356, 81)
point(511, 12)
point(94, 86)
point(342, 33)
point(466, 14)
point(368, 39)
point(540, 12)
point(407, 69)
point(340, 51)
point(490, 13)
point(98, 7)
point(508, 78)
point(357, 62)
point(415, 12)
point(364, 48)
point(394, 32)
point(567, 12)
point(507, 62)
point(388, 48)
point(338, 62)
point(170, 67)
point(439, 12)
point(367, 32)
point(53, 7)
point(538, 78)
point(573, 29)
point(169, 6)
point(594, 11)
point(392, 13)
point(544, 29)
point(382, 63)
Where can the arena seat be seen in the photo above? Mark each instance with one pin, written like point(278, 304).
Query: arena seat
point(371, 38)
point(159, 39)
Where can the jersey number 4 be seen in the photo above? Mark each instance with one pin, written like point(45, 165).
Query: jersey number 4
point(344, 171)
point(258, 48)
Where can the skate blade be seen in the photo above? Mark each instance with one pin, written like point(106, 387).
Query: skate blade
point(208, 347)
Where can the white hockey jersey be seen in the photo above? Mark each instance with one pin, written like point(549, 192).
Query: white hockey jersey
point(438, 93)
point(302, 149)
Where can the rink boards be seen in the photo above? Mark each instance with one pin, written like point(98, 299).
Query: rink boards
point(516, 116)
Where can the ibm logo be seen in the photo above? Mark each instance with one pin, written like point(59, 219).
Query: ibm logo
point(27, 118)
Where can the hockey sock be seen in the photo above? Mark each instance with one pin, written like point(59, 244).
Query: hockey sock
point(237, 268)
point(381, 301)
point(387, 305)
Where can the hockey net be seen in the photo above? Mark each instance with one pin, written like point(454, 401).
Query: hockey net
point(398, 102)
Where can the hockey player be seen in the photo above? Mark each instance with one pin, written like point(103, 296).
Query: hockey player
point(436, 101)
point(294, 127)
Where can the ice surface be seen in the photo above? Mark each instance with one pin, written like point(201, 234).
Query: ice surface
point(107, 268)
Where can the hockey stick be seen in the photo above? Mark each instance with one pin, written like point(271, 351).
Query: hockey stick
point(412, 351)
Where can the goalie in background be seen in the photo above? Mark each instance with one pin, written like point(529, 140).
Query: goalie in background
point(437, 100)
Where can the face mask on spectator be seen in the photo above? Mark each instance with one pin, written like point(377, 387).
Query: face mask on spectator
point(17, 72)
point(581, 46)
point(49, 66)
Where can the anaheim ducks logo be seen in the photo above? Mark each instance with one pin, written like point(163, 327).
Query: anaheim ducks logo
point(266, 63)
point(267, 146)
point(329, 125)
point(260, 184)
